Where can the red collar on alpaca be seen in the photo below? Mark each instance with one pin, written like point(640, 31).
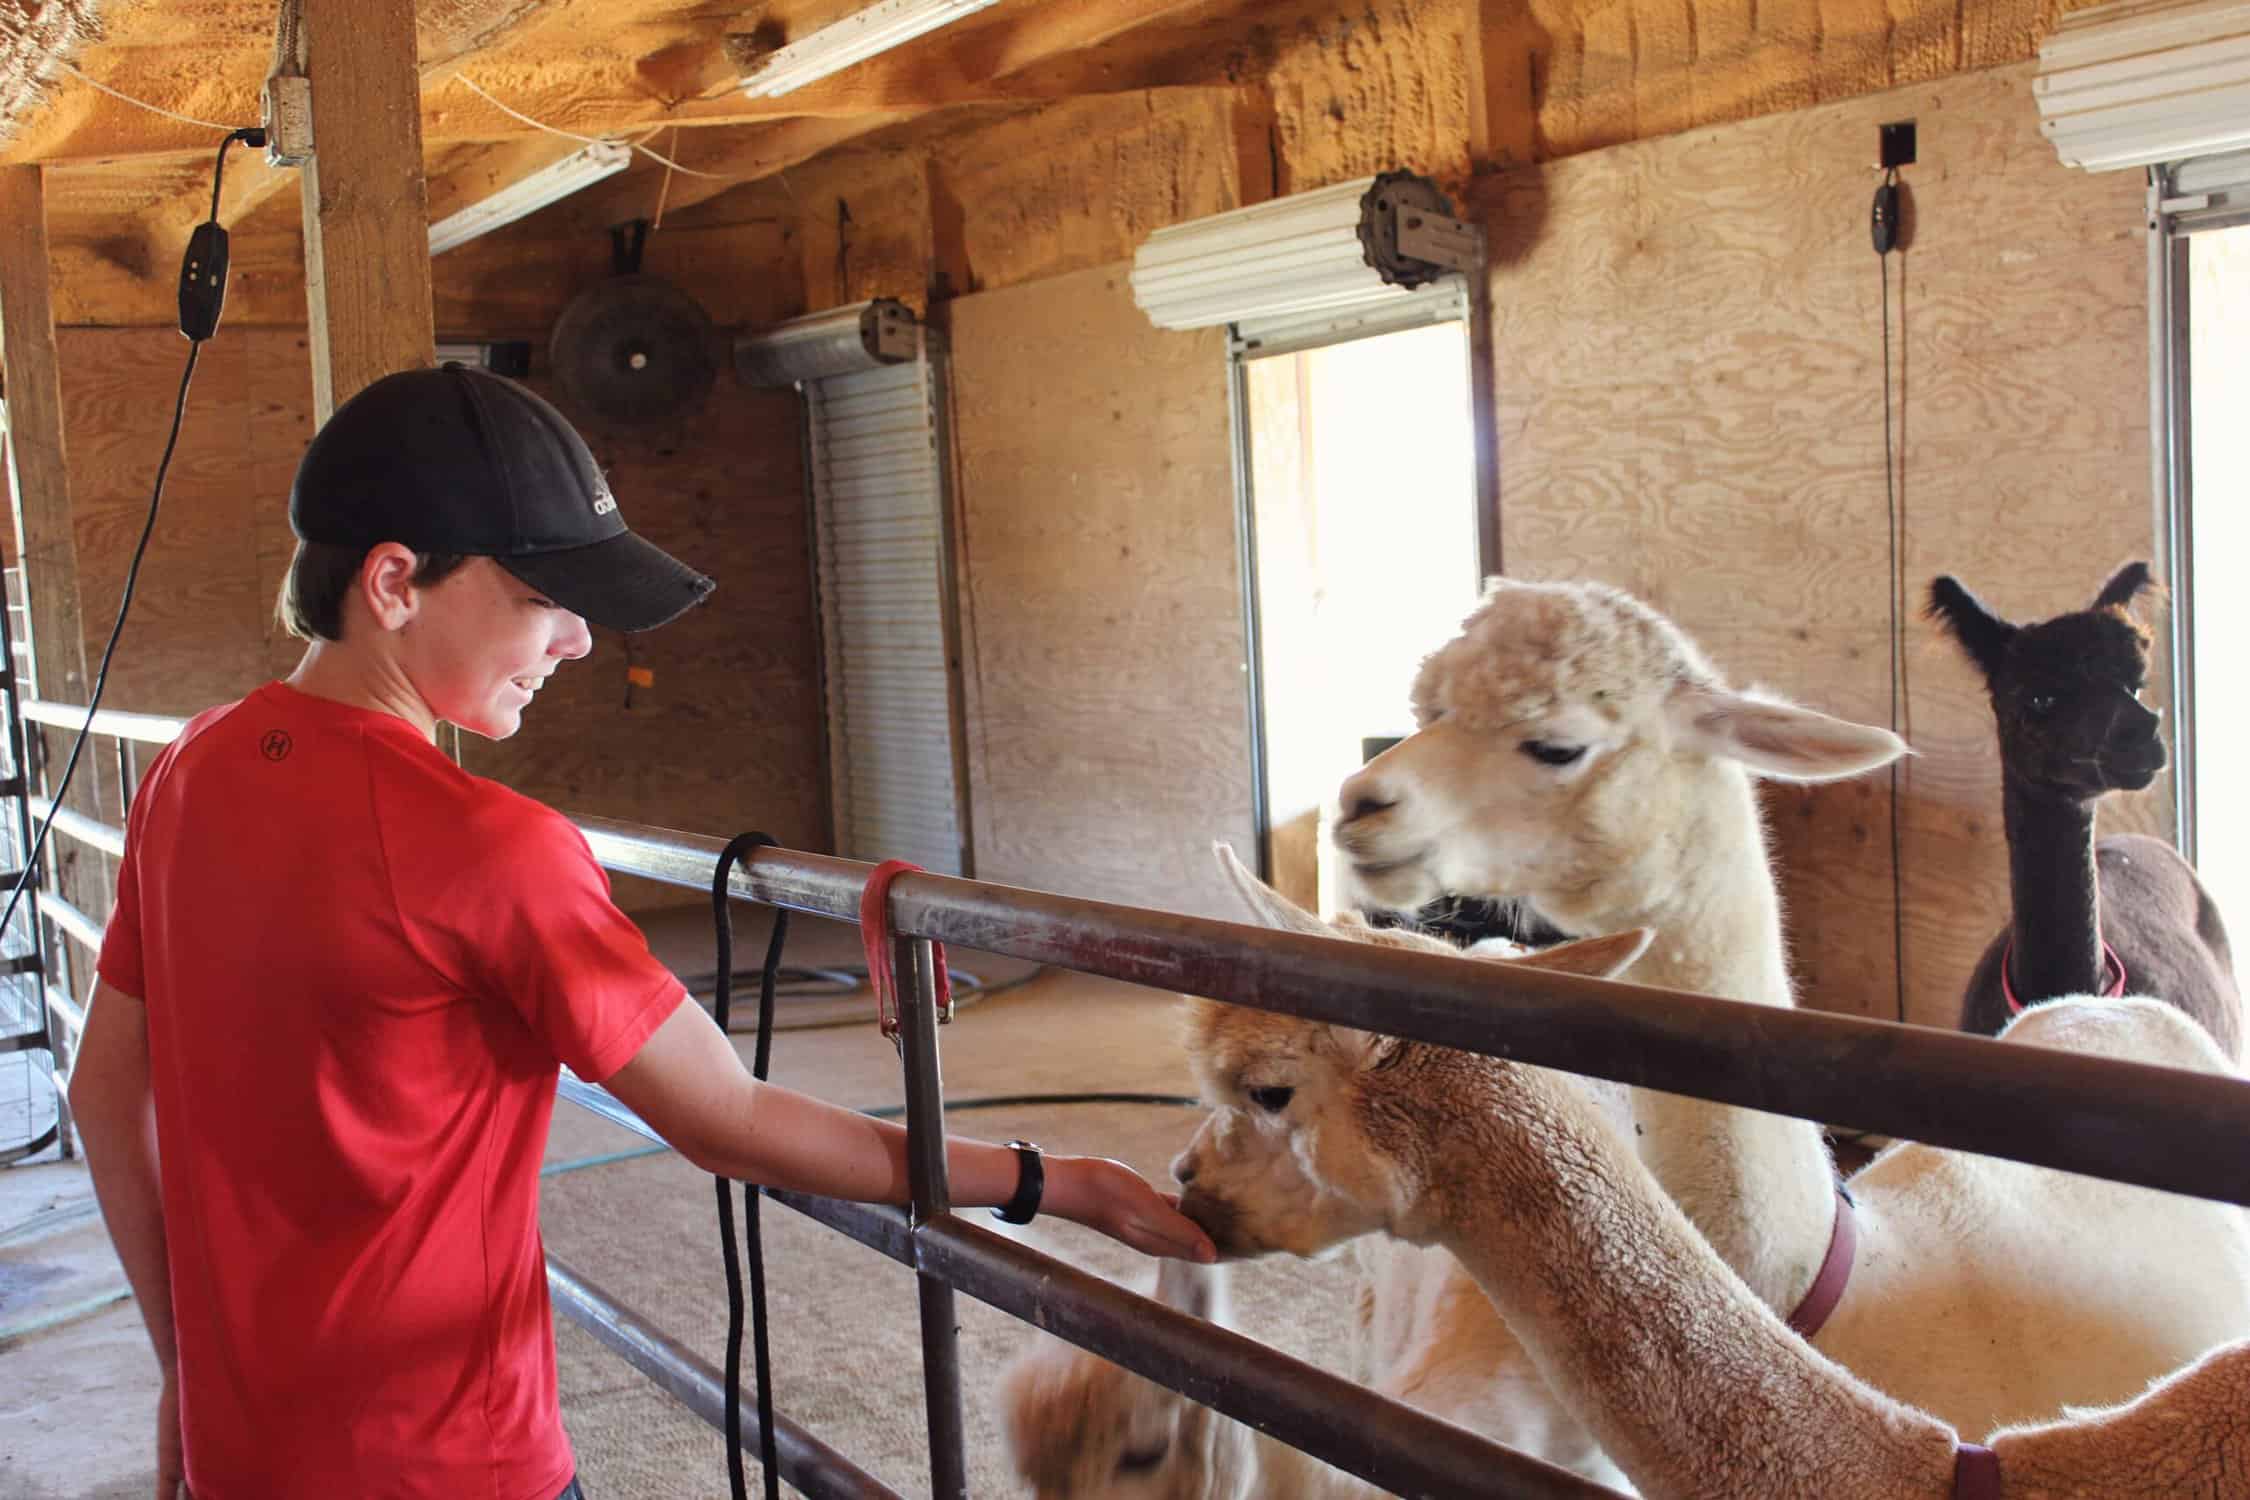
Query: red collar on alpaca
point(1976, 1472)
point(1835, 1271)
point(2110, 961)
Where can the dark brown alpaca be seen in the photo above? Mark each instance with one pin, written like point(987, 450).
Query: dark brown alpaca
point(2066, 693)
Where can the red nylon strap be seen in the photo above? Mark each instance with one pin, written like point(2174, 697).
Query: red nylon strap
point(875, 941)
point(1976, 1472)
point(1835, 1272)
point(2110, 961)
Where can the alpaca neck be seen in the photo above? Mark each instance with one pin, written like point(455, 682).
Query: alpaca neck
point(1684, 1376)
point(1240, 1463)
point(1759, 1186)
point(2055, 896)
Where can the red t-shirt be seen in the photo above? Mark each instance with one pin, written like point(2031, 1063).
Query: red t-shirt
point(361, 966)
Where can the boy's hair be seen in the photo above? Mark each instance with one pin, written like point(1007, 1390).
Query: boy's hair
point(311, 606)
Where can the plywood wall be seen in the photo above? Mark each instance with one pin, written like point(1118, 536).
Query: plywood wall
point(727, 737)
point(1101, 601)
point(1688, 365)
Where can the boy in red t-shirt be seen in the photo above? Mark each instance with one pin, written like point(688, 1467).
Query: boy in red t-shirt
point(319, 1065)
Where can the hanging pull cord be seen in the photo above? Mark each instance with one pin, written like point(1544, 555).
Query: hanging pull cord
point(762, 1057)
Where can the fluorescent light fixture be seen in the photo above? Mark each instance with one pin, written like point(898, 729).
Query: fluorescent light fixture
point(2137, 82)
point(857, 37)
point(549, 184)
point(1333, 250)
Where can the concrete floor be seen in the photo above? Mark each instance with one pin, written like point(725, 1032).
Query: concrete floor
point(76, 1399)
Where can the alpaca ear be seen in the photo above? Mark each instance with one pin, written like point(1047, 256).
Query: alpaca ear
point(1983, 634)
point(1777, 739)
point(1364, 1051)
point(2124, 586)
point(1186, 1286)
point(1603, 957)
point(1267, 906)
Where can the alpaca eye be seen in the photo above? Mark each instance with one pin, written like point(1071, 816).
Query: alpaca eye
point(1141, 1460)
point(1272, 1099)
point(2041, 703)
point(1549, 753)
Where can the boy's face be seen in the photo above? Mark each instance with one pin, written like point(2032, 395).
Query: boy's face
point(482, 642)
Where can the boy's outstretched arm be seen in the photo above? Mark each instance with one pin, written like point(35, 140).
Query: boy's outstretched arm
point(690, 1086)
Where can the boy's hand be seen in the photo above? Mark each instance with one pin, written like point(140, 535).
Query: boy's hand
point(1112, 1197)
point(171, 1473)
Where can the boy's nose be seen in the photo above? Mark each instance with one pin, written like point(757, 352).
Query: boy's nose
point(575, 642)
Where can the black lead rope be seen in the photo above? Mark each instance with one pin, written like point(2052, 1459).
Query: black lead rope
point(761, 1058)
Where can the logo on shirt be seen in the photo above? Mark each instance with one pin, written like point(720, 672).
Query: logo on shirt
point(276, 745)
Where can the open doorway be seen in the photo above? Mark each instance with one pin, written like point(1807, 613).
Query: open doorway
point(1365, 552)
point(2218, 456)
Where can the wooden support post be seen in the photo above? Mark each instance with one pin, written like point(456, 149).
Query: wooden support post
point(367, 246)
point(46, 540)
point(1503, 107)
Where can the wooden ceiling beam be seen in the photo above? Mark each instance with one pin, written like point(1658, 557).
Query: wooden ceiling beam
point(975, 68)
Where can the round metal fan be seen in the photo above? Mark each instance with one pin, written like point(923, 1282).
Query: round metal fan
point(634, 348)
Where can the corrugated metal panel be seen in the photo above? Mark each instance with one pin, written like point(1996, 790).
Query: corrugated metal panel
point(878, 504)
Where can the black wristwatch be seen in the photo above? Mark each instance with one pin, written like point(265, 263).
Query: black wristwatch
point(1031, 1181)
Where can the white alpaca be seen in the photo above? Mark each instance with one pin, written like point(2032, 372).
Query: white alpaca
point(1681, 1372)
point(1576, 750)
point(1079, 1427)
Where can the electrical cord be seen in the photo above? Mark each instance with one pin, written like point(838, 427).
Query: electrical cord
point(762, 1058)
point(591, 140)
point(202, 293)
point(1883, 226)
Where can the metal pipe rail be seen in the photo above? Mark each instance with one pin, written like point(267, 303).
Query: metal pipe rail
point(89, 831)
point(811, 1466)
point(75, 924)
point(1383, 1441)
point(2130, 1122)
point(67, 1011)
point(151, 729)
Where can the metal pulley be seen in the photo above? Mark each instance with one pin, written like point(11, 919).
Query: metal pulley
point(1409, 234)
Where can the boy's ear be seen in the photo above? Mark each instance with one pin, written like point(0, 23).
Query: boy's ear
point(385, 584)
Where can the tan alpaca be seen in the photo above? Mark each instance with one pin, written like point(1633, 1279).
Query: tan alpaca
point(1578, 751)
point(1079, 1427)
point(1684, 1376)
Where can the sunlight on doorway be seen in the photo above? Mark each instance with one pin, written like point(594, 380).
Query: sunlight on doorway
point(2219, 423)
point(1362, 470)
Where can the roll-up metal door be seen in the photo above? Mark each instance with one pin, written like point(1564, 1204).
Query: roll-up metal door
point(879, 527)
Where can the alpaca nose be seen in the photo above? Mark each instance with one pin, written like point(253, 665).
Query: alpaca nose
point(1363, 796)
point(2131, 724)
point(1183, 1167)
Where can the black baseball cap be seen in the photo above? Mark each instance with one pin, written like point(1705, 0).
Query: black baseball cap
point(461, 460)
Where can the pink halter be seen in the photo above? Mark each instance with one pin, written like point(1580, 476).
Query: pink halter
point(2110, 961)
